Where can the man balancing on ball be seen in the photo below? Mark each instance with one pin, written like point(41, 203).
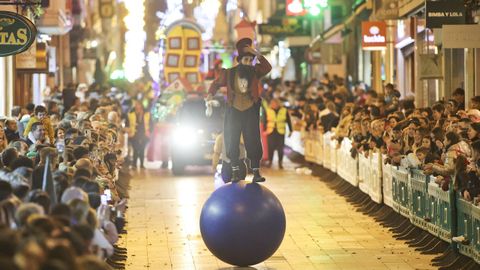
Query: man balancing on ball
point(242, 114)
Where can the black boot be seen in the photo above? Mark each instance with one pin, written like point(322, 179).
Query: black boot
point(257, 177)
point(235, 174)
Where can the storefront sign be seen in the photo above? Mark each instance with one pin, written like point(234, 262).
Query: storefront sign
point(295, 8)
point(439, 13)
point(386, 9)
point(27, 59)
point(34, 60)
point(461, 36)
point(286, 27)
point(17, 33)
point(374, 35)
point(405, 32)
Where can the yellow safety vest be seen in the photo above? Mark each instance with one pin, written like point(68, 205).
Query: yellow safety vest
point(132, 118)
point(277, 120)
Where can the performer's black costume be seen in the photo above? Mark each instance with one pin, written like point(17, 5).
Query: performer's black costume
point(242, 115)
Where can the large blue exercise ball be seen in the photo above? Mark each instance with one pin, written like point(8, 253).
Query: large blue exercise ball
point(242, 223)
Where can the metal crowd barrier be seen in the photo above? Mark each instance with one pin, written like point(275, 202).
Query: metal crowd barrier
point(349, 165)
point(375, 188)
point(400, 188)
point(309, 139)
point(475, 234)
point(319, 147)
point(363, 173)
point(387, 185)
point(418, 199)
point(409, 192)
point(327, 154)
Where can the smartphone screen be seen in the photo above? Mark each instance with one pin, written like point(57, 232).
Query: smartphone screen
point(104, 200)
point(108, 194)
point(60, 146)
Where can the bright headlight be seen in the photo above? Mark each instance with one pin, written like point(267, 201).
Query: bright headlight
point(184, 136)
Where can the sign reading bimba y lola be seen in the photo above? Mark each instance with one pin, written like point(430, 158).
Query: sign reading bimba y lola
point(439, 13)
point(17, 33)
point(374, 35)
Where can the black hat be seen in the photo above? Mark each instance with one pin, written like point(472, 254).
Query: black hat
point(241, 44)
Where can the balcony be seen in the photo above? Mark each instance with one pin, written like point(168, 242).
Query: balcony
point(57, 19)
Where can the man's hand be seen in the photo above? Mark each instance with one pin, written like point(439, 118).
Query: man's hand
point(251, 50)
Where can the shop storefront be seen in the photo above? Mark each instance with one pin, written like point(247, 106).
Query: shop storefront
point(291, 37)
point(405, 56)
point(339, 47)
point(17, 34)
point(374, 40)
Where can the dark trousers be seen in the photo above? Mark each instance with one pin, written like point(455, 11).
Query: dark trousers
point(276, 142)
point(247, 123)
point(138, 144)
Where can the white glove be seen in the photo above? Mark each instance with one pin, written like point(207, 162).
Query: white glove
point(209, 110)
point(210, 104)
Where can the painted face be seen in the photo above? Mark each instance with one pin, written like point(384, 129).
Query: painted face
point(246, 60)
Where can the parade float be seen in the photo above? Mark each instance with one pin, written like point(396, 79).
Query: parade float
point(182, 77)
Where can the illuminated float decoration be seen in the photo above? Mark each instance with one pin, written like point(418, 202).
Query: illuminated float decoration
point(183, 50)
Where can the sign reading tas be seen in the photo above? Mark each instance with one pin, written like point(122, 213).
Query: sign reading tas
point(17, 33)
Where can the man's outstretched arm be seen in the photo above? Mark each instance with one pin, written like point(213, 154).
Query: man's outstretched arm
point(220, 81)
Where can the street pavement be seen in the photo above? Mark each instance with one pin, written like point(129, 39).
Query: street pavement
point(323, 231)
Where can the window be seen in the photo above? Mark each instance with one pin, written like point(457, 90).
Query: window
point(172, 76)
point(175, 43)
point(193, 43)
point(190, 61)
point(172, 60)
point(192, 77)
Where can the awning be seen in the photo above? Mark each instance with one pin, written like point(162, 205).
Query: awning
point(410, 7)
point(358, 7)
point(54, 22)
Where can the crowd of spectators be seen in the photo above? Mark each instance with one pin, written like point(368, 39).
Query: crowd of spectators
point(63, 183)
point(442, 140)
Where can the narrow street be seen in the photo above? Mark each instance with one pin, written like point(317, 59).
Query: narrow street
point(324, 231)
